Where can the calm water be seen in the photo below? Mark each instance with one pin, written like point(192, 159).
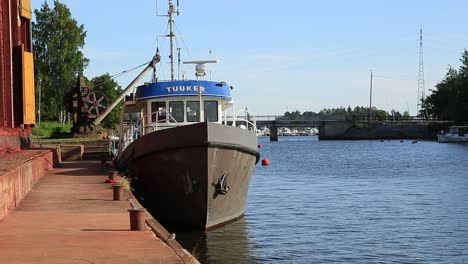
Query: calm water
point(350, 202)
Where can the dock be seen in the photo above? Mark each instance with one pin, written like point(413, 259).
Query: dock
point(70, 216)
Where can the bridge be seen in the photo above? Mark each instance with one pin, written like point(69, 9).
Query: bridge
point(273, 122)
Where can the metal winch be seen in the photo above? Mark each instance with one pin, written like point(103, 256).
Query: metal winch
point(85, 105)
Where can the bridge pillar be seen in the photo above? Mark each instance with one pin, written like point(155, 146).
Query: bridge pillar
point(273, 133)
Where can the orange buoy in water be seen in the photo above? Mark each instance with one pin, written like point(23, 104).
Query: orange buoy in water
point(260, 146)
point(265, 162)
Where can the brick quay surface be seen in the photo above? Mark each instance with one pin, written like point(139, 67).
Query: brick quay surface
point(70, 217)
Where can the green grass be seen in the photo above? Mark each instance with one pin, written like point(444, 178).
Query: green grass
point(48, 129)
point(68, 141)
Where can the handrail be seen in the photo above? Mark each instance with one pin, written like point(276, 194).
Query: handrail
point(157, 119)
point(132, 132)
point(247, 120)
point(319, 118)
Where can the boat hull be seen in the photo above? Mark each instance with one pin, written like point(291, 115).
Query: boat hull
point(452, 138)
point(192, 177)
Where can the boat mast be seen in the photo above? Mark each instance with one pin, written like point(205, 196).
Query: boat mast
point(171, 35)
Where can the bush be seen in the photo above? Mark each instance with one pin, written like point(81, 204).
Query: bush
point(47, 129)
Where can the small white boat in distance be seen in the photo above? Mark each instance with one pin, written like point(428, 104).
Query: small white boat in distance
point(284, 131)
point(309, 131)
point(454, 135)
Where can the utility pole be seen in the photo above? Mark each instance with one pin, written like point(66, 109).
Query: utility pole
point(370, 97)
point(421, 88)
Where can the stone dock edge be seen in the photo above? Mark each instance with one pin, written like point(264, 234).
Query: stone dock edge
point(164, 235)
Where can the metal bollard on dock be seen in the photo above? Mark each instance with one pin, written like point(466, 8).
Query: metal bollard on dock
point(118, 192)
point(113, 175)
point(137, 219)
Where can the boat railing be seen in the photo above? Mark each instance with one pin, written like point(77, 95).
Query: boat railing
point(158, 122)
point(127, 136)
point(134, 130)
point(244, 116)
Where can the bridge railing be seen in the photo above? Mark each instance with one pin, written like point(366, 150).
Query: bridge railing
point(320, 118)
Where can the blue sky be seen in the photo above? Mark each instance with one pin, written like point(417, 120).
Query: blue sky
point(286, 55)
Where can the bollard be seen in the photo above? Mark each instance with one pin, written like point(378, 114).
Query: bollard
point(118, 192)
point(137, 219)
point(113, 175)
point(58, 150)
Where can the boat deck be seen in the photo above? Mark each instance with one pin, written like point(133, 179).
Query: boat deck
point(70, 217)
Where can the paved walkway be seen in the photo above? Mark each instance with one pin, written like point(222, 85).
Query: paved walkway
point(70, 217)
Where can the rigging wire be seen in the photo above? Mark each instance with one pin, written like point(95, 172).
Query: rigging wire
point(180, 66)
point(163, 46)
point(183, 41)
point(112, 77)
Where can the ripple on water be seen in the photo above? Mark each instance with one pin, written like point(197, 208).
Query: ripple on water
point(351, 202)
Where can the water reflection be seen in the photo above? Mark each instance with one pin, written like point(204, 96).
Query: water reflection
point(229, 244)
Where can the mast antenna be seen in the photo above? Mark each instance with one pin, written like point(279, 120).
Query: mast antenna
point(171, 35)
point(178, 63)
point(421, 88)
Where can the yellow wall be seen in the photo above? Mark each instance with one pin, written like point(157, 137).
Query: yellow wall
point(26, 9)
point(29, 100)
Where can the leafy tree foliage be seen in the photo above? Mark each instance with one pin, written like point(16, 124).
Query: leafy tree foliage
point(106, 85)
point(358, 111)
point(449, 101)
point(58, 41)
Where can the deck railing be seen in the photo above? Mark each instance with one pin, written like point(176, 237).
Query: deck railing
point(134, 130)
point(242, 117)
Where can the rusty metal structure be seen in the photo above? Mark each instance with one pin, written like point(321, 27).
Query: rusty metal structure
point(17, 95)
point(86, 105)
point(90, 107)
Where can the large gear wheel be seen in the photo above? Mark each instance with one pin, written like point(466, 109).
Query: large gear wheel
point(94, 103)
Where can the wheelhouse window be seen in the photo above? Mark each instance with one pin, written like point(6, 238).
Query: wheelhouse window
point(176, 109)
point(193, 111)
point(211, 111)
point(131, 117)
point(158, 108)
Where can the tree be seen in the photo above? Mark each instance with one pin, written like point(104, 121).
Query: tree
point(296, 115)
point(358, 111)
point(449, 101)
point(106, 85)
point(58, 41)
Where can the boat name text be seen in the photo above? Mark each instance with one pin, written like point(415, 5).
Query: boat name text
point(195, 88)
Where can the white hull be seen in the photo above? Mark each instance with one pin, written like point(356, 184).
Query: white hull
point(451, 138)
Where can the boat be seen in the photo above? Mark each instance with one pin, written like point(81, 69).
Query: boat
point(455, 134)
point(265, 131)
point(309, 131)
point(189, 165)
point(284, 131)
